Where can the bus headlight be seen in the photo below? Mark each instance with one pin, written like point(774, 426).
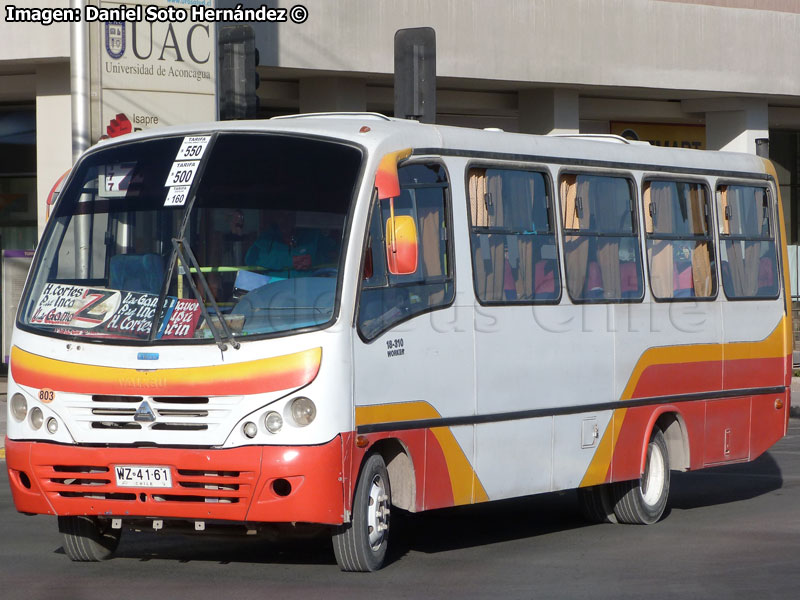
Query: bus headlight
point(37, 417)
point(303, 411)
point(250, 429)
point(52, 425)
point(273, 422)
point(19, 407)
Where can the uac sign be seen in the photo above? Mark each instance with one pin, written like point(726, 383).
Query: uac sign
point(152, 41)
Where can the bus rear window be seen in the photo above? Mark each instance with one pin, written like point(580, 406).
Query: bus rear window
point(748, 256)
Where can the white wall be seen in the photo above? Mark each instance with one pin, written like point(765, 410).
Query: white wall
point(53, 131)
point(31, 41)
point(640, 43)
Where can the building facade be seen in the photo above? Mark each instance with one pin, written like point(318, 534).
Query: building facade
point(715, 74)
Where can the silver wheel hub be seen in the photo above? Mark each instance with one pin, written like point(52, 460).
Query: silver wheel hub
point(655, 474)
point(377, 512)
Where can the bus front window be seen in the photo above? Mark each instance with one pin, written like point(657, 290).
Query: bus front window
point(258, 244)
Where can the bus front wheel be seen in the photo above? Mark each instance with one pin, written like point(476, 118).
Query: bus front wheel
point(643, 501)
point(361, 544)
point(87, 539)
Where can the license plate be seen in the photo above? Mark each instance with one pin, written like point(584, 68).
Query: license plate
point(141, 476)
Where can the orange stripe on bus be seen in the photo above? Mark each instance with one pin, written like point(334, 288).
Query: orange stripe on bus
point(465, 483)
point(775, 345)
point(258, 376)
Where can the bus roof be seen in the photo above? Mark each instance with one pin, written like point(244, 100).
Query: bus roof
point(378, 133)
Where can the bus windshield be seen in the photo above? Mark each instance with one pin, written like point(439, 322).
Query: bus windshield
point(242, 238)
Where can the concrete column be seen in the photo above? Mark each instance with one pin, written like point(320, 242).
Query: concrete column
point(53, 131)
point(732, 124)
point(329, 94)
point(548, 110)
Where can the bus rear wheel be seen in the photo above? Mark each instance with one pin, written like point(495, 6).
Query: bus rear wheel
point(87, 539)
point(361, 544)
point(643, 501)
point(597, 503)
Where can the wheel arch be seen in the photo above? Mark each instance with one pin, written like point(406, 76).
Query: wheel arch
point(672, 424)
point(402, 476)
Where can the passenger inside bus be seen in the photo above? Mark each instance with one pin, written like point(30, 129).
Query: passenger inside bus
point(286, 250)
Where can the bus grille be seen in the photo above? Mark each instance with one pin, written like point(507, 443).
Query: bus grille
point(177, 414)
point(188, 486)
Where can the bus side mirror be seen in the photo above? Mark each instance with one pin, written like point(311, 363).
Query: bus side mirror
point(401, 245)
point(386, 179)
point(401, 230)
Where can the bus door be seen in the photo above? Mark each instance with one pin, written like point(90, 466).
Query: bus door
point(412, 357)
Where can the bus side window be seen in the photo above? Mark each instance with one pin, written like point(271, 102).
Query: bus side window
point(514, 255)
point(388, 299)
point(601, 245)
point(680, 243)
point(748, 253)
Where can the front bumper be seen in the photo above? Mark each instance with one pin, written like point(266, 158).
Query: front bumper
point(237, 484)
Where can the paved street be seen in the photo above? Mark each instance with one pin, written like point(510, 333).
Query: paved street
point(731, 532)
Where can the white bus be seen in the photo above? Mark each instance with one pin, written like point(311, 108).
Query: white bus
point(320, 318)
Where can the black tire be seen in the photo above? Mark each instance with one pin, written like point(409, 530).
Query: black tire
point(597, 504)
point(642, 501)
point(360, 545)
point(86, 539)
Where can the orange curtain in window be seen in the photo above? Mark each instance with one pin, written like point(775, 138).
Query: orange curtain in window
point(485, 194)
point(731, 205)
point(701, 255)
point(576, 248)
point(520, 211)
point(478, 209)
point(661, 254)
point(607, 248)
point(430, 225)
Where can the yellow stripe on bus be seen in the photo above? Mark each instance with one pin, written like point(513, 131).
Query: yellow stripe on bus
point(464, 482)
point(775, 345)
point(598, 468)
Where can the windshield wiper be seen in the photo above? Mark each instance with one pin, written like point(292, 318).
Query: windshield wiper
point(186, 256)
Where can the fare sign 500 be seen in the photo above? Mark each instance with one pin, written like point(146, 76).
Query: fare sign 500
point(182, 173)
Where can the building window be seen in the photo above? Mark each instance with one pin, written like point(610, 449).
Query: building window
point(18, 179)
